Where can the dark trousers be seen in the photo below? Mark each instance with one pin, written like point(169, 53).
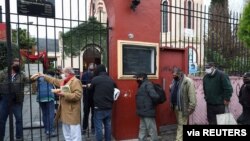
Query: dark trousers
point(212, 111)
point(88, 107)
point(17, 111)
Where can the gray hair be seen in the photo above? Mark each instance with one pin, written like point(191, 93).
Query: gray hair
point(69, 70)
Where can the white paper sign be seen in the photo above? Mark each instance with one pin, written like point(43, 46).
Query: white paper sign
point(188, 32)
point(31, 69)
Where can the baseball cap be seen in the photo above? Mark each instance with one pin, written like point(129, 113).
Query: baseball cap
point(209, 65)
point(140, 75)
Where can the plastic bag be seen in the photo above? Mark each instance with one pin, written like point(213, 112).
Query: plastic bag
point(226, 119)
point(116, 93)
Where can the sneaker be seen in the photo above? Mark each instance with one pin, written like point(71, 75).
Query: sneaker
point(52, 134)
point(84, 132)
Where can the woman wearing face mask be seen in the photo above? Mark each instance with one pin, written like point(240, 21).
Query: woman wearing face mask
point(244, 99)
point(217, 90)
point(69, 104)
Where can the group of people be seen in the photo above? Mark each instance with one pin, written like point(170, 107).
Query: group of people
point(97, 89)
point(182, 99)
point(217, 93)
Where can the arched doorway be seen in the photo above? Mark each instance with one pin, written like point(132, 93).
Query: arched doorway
point(91, 54)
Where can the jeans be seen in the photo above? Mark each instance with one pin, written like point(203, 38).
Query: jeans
point(103, 117)
point(48, 112)
point(17, 111)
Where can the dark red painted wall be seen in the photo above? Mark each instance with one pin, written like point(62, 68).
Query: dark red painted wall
point(144, 23)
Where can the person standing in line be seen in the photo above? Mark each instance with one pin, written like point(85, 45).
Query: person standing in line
point(57, 75)
point(15, 97)
point(88, 99)
point(183, 99)
point(217, 91)
point(244, 99)
point(46, 98)
point(145, 107)
point(103, 88)
point(69, 110)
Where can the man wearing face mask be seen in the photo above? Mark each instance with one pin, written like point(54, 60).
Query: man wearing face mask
point(217, 90)
point(14, 98)
point(69, 111)
point(244, 99)
point(183, 99)
point(145, 107)
point(102, 86)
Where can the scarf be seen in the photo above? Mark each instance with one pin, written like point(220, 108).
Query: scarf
point(65, 81)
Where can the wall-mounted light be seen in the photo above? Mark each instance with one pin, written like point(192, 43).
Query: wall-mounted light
point(130, 35)
point(134, 4)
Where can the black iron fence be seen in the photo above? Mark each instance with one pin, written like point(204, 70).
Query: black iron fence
point(208, 32)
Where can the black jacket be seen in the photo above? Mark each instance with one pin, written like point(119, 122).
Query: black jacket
point(103, 88)
point(244, 96)
point(144, 99)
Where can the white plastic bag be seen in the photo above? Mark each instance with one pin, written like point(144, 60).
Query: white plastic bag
point(226, 119)
point(116, 93)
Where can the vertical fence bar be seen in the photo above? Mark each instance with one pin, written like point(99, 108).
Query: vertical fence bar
point(200, 40)
point(78, 33)
point(223, 28)
point(1, 17)
point(9, 57)
point(63, 46)
point(180, 25)
point(175, 17)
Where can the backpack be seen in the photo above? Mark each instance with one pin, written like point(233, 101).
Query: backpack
point(159, 90)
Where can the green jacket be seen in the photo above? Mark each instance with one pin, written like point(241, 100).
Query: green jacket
point(217, 88)
point(186, 98)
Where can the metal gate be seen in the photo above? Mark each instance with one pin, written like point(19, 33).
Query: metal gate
point(207, 34)
point(46, 36)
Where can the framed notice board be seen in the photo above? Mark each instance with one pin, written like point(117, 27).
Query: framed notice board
point(136, 57)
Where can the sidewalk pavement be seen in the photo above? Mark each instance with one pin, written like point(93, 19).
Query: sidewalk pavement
point(33, 127)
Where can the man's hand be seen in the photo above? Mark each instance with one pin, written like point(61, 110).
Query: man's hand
point(57, 92)
point(226, 102)
point(190, 111)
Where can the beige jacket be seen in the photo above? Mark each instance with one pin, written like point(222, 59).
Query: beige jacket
point(69, 110)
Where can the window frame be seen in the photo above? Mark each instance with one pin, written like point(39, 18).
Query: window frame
point(140, 45)
point(166, 16)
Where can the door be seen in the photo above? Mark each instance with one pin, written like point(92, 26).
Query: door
point(169, 59)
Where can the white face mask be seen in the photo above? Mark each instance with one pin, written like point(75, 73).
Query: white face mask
point(63, 76)
point(208, 71)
